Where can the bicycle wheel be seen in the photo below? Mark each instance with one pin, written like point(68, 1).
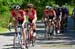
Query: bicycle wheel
point(51, 30)
point(17, 43)
point(31, 38)
point(34, 38)
point(47, 30)
point(18, 38)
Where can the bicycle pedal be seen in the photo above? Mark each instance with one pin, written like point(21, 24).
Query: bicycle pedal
point(24, 46)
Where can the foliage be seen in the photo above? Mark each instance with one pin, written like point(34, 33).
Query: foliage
point(38, 4)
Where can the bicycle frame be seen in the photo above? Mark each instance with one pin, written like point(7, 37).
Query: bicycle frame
point(50, 26)
point(30, 33)
point(49, 29)
point(18, 36)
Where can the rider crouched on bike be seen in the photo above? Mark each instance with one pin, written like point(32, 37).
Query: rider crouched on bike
point(45, 15)
point(59, 13)
point(49, 14)
point(18, 17)
point(32, 17)
point(52, 16)
point(65, 15)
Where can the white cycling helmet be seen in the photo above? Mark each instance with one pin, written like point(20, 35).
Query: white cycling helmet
point(57, 6)
point(15, 7)
point(64, 6)
point(48, 7)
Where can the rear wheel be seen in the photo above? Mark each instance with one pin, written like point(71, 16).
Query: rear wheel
point(47, 30)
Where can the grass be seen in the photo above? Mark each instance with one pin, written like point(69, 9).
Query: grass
point(3, 30)
point(3, 23)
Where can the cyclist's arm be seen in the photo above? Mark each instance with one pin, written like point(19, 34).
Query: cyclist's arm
point(35, 15)
point(54, 14)
point(11, 18)
point(24, 19)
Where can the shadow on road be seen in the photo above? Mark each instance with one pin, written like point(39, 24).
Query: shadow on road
point(8, 34)
point(66, 38)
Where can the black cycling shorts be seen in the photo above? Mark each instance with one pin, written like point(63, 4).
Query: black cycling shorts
point(30, 20)
point(20, 21)
point(51, 17)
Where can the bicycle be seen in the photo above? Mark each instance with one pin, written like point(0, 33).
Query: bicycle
point(57, 27)
point(31, 35)
point(49, 28)
point(18, 42)
point(46, 27)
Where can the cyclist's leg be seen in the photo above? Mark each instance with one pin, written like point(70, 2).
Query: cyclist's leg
point(45, 22)
point(34, 27)
point(53, 24)
point(62, 25)
point(23, 32)
point(59, 25)
point(30, 35)
point(65, 16)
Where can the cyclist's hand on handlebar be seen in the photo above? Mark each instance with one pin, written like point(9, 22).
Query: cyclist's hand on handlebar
point(54, 18)
point(10, 24)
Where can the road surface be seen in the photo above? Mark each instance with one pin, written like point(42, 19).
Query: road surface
point(64, 40)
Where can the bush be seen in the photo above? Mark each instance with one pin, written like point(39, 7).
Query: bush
point(3, 9)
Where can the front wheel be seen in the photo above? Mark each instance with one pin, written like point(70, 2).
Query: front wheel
point(51, 30)
point(17, 41)
point(47, 31)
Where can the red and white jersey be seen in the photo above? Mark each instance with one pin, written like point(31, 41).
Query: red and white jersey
point(31, 14)
point(18, 15)
point(46, 12)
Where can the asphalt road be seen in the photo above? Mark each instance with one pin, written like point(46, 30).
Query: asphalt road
point(64, 40)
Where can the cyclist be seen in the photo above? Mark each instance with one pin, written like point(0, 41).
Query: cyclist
point(65, 15)
point(45, 15)
point(58, 10)
point(18, 17)
point(52, 16)
point(32, 17)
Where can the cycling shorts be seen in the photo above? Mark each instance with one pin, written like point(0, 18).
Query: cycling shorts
point(51, 17)
point(30, 20)
point(20, 21)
